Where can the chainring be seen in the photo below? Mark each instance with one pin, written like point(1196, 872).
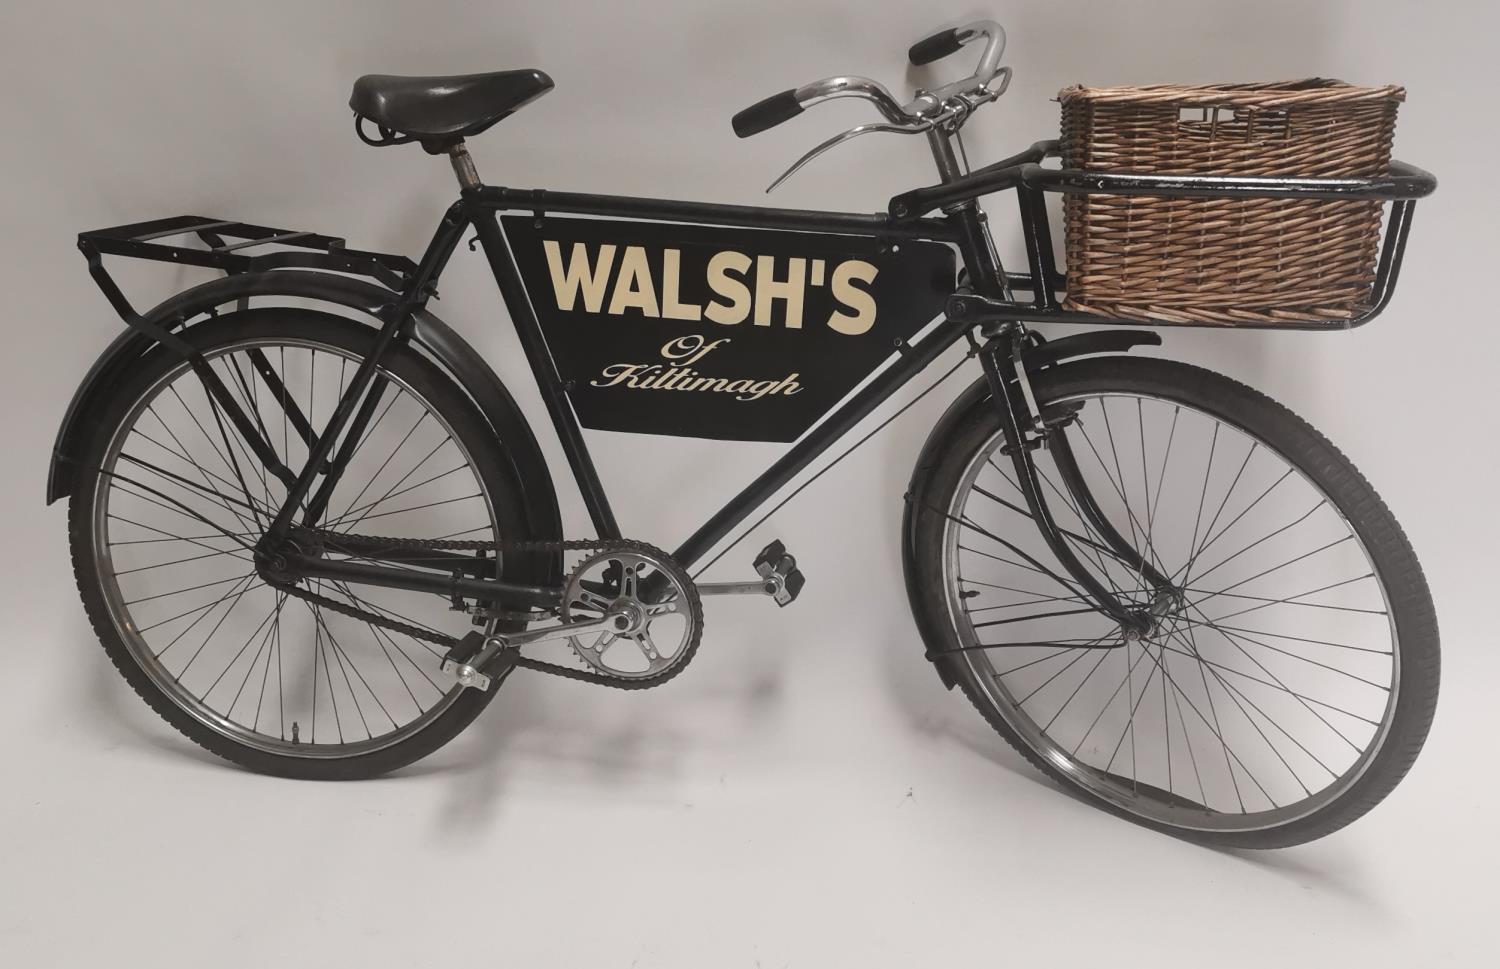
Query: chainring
point(637, 587)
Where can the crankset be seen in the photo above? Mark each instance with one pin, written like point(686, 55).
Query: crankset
point(628, 611)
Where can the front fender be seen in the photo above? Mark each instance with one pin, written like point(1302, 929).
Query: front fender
point(451, 351)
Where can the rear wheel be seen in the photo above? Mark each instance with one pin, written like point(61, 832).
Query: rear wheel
point(162, 534)
point(1291, 676)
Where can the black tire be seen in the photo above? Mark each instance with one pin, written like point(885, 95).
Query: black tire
point(428, 383)
point(974, 423)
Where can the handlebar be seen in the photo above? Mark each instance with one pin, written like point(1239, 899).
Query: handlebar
point(786, 105)
point(935, 48)
point(946, 42)
point(767, 113)
point(777, 108)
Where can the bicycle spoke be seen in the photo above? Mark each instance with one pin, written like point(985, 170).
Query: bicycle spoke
point(403, 491)
point(1297, 656)
point(1058, 651)
point(195, 558)
point(1230, 756)
point(1248, 508)
point(183, 482)
point(1068, 702)
point(1133, 703)
point(1304, 701)
point(430, 504)
point(384, 639)
point(1231, 688)
point(1187, 568)
point(1034, 564)
point(383, 465)
point(239, 597)
point(1300, 639)
point(1130, 667)
point(391, 491)
point(1271, 684)
point(199, 540)
point(1292, 600)
point(1088, 543)
point(1040, 615)
point(1048, 681)
point(173, 503)
point(1265, 538)
point(181, 454)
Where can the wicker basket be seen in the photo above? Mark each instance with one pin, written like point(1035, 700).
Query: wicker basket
point(1208, 260)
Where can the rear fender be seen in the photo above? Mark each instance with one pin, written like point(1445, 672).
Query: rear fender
point(438, 340)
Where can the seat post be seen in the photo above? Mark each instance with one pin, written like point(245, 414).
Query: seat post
point(463, 166)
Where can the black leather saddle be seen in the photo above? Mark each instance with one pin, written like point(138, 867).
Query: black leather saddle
point(440, 111)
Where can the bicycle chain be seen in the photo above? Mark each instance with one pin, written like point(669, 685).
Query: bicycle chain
point(348, 541)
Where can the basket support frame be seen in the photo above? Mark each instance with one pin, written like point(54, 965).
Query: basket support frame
point(1025, 174)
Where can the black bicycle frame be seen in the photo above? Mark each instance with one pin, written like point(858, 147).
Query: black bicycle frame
point(479, 207)
point(984, 305)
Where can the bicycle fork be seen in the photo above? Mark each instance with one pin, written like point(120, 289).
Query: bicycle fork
point(1022, 424)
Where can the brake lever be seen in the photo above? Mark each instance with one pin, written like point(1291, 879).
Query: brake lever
point(873, 127)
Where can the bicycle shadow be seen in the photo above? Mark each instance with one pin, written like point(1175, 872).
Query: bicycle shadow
point(533, 732)
point(619, 745)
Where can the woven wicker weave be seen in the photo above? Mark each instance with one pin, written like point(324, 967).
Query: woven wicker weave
point(1205, 260)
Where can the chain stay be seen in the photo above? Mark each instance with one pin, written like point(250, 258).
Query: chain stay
point(369, 542)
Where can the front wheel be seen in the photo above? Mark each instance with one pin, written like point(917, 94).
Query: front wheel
point(1291, 672)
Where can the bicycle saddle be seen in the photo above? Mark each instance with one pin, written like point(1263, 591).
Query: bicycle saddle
point(440, 110)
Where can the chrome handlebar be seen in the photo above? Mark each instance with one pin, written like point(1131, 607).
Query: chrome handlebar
point(848, 86)
point(788, 104)
point(945, 106)
point(946, 42)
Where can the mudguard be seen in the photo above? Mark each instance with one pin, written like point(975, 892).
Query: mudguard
point(975, 395)
point(430, 334)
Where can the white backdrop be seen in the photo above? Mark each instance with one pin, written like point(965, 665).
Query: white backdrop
point(808, 794)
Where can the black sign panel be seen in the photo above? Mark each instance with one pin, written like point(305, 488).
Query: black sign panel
point(732, 334)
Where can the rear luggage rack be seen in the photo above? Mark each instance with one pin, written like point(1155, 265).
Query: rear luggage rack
point(227, 242)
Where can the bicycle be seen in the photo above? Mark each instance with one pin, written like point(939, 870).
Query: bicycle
point(284, 484)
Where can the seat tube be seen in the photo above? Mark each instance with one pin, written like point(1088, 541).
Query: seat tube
point(397, 318)
point(543, 367)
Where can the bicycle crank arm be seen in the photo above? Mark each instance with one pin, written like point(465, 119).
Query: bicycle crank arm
point(757, 587)
point(470, 660)
point(779, 578)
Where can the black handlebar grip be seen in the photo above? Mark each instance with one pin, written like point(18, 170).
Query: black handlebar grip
point(767, 113)
point(936, 47)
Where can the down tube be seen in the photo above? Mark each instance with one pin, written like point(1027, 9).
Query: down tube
point(818, 440)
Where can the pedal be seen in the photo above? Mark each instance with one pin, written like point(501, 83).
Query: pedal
point(779, 578)
point(778, 568)
point(467, 658)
